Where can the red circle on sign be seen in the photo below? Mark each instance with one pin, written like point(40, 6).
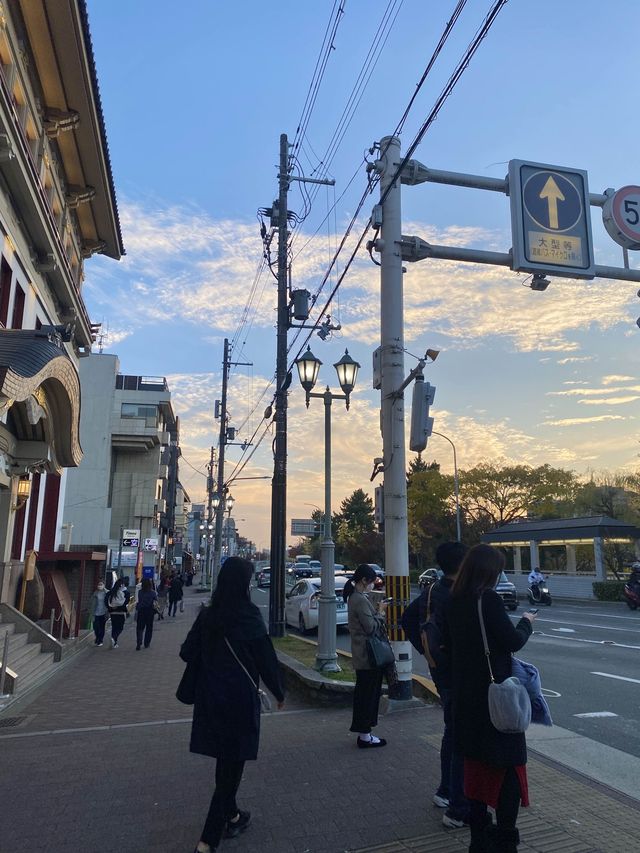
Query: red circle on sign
point(625, 210)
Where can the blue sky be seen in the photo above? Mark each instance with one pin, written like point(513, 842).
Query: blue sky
point(195, 99)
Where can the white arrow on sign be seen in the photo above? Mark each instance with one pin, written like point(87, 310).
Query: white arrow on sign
point(553, 194)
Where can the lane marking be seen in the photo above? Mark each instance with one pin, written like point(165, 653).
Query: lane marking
point(617, 677)
point(583, 640)
point(587, 625)
point(597, 714)
point(550, 694)
point(564, 630)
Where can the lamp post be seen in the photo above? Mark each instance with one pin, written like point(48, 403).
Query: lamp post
point(347, 369)
point(455, 479)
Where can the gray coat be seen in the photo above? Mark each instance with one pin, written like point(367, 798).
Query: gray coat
point(363, 623)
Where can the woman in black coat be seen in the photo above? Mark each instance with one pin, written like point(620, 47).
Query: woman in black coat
point(494, 762)
point(226, 712)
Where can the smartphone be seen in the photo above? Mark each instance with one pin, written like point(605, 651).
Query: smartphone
point(387, 600)
point(533, 610)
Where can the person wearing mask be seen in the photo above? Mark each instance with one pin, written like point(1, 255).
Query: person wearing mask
point(99, 612)
point(163, 590)
point(450, 792)
point(175, 594)
point(494, 762)
point(364, 622)
point(233, 651)
point(117, 600)
point(145, 613)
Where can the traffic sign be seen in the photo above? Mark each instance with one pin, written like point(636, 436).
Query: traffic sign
point(621, 216)
point(150, 544)
point(304, 527)
point(130, 538)
point(550, 220)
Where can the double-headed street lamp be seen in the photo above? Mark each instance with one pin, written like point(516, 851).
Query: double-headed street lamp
point(347, 369)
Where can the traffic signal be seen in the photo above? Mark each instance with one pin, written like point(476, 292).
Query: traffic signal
point(421, 424)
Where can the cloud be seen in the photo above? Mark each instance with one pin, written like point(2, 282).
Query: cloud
point(614, 378)
point(610, 401)
point(566, 422)
point(575, 359)
point(590, 392)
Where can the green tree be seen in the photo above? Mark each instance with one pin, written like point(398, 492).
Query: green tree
point(431, 512)
point(354, 531)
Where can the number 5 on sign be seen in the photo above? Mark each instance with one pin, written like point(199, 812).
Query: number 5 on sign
point(621, 216)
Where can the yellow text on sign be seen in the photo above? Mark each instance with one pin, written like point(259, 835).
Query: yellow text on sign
point(564, 250)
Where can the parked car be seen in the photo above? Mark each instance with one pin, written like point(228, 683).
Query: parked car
point(264, 577)
point(316, 565)
point(507, 592)
point(428, 577)
point(302, 604)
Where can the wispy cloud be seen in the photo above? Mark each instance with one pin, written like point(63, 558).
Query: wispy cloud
point(567, 422)
point(615, 378)
point(575, 359)
point(610, 401)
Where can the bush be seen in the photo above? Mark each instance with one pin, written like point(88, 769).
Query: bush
point(608, 590)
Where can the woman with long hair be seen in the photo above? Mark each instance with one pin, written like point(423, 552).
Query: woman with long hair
point(117, 600)
point(145, 613)
point(230, 644)
point(364, 622)
point(494, 762)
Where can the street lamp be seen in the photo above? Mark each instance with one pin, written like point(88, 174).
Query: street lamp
point(229, 502)
point(347, 369)
point(455, 479)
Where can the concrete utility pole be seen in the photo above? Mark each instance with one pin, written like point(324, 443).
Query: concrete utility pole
point(205, 575)
point(396, 532)
point(217, 541)
point(279, 481)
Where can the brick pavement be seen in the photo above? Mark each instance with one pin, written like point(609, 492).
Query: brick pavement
point(129, 783)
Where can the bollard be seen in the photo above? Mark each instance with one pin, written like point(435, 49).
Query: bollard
point(3, 668)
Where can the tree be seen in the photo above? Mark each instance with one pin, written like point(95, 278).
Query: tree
point(493, 495)
point(431, 512)
point(354, 531)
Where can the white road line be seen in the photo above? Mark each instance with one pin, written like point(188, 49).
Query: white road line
point(617, 677)
point(597, 714)
point(564, 630)
point(583, 640)
point(587, 625)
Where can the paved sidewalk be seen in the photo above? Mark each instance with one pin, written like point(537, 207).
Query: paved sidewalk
point(99, 763)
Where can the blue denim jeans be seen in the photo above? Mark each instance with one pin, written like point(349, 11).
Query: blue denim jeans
point(451, 763)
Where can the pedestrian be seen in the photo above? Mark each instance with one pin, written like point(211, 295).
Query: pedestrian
point(99, 612)
point(175, 593)
point(494, 762)
point(226, 712)
point(145, 612)
point(161, 603)
point(364, 622)
point(449, 794)
point(117, 601)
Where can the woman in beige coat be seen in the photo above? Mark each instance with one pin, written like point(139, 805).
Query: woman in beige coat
point(364, 621)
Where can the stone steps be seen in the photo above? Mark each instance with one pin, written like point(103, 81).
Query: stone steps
point(25, 659)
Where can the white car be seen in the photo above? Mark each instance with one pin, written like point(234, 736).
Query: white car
point(302, 604)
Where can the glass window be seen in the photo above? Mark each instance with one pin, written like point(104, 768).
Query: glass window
point(139, 410)
point(298, 589)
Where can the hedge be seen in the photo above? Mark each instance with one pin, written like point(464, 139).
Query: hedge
point(608, 590)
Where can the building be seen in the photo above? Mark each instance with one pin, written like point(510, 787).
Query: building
point(129, 477)
point(57, 208)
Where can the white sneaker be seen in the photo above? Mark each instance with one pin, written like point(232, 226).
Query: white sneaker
point(452, 822)
point(440, 802)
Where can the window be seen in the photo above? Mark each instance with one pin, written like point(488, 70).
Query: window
point(5, 291)
point(139, 410)
point(18, 308)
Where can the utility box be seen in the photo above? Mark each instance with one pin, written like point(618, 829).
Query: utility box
point(378, 506)
point(421, 423)
point(377, 369)
point(301, 304)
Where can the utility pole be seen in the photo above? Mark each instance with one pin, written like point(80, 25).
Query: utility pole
point(396, 534)
point(219, 510)
point(204, 574)
point(279, 481)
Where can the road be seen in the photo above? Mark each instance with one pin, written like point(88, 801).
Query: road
point(588, 655)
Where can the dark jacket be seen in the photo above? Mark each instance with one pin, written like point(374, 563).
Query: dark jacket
point(146, 599)
point(226, 712)
point(416, 614)
point(475, 736)
point(175, 590)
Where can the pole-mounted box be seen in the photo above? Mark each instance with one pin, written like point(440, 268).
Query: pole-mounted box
point(421, 424)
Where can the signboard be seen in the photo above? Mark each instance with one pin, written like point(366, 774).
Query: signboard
point(148, 572)
point(150, 544)
point(550, 220)
point(621, 216)
point(127, 558)
point(130, 538)
point(304, 527)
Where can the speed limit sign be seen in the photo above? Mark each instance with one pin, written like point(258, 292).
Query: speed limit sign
point(621, 216)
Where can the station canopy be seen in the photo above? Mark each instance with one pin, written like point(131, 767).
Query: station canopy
point(562, 531)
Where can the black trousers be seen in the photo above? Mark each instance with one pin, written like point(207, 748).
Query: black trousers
point(365, 700)
point(117, 625)
point(507, 808)
point(98, 627)
point(223, 803)
point(173, 604)
point(144, 626)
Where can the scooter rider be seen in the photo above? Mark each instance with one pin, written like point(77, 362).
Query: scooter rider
point(536, 577)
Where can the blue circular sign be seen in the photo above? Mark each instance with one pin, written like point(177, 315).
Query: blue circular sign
point(552, 201)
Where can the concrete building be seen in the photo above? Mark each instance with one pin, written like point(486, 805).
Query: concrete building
point(129, 477)
point(57, 208)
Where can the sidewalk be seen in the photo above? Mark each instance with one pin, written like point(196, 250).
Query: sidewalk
point(99, 762)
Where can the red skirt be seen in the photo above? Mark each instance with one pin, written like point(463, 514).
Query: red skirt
point(483, 782)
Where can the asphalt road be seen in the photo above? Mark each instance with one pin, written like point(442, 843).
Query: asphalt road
point(588, 655)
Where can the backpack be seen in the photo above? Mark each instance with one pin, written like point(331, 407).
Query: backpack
point(431, 636)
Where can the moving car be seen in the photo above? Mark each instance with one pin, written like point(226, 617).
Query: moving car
point(428, 577)
point(507, 592)
point(301, 605)
point(264, 577)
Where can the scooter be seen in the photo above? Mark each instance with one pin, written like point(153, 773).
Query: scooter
point(632, 596)
point(538, 593)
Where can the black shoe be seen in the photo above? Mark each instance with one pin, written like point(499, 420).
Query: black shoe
point(234, 828)
point(371, 744)
point(138, 648)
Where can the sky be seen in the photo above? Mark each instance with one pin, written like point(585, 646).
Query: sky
point(195, 99)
